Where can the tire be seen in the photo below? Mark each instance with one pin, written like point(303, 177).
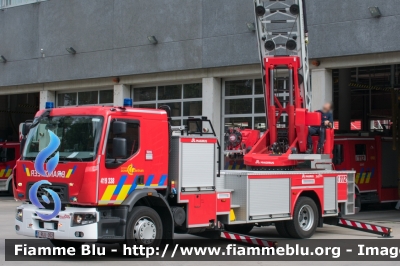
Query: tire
point(239, 228)
point(66, 244)
point(358, 202)
point(144, 227)
point(282, 229)
point(10, 188)
point(305, 219)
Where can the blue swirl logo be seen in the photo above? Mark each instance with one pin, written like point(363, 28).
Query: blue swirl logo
point(35, 201)
point(45, 153)
point(50, 166)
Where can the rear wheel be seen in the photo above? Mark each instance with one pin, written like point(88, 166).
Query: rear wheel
point(282, 230)
point(239, 228)
point(305, 219)
point(144, 227)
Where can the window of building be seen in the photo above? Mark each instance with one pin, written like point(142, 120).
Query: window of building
point(131, 136)
point(85, 98)
point(12, 3)
point(354, 125)
point(243, 105)
point(380, 125)
point(185, 100)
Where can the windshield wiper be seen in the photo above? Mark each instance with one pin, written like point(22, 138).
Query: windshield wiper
point(29, 158)
point(66, 158)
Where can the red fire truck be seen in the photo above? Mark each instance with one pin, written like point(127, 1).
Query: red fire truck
point(118, 184)
point(123, 177)
point(375, 163)
point(9, 154)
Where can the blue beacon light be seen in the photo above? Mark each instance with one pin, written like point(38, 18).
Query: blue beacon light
point(128, 102)
point(49, 105)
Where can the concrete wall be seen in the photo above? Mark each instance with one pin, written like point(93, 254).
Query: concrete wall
point(110, 36)
point(346, 27)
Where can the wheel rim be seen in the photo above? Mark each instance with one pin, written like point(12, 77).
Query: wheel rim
point(145, 230)
point(306, 217)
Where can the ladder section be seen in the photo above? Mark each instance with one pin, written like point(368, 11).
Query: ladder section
point(282, 31)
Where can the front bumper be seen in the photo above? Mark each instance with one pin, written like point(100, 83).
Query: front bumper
point(61, 226)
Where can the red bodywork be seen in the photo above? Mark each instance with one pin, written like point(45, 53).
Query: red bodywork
point(91, 183)
point(299, 119)
point(241, 145)
point(246, 139)
point(375, 163)
point(202, 209)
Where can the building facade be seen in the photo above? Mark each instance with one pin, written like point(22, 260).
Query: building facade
point(197, 56)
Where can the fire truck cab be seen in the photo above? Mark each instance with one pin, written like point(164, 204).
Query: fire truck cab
point(375, 163)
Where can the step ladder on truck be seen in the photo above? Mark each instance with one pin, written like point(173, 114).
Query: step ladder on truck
point(129, 179)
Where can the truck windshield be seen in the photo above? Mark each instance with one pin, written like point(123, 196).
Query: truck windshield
point(79, 137)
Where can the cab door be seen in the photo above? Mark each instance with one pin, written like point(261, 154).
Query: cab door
point(121, 171)
point(365, 162)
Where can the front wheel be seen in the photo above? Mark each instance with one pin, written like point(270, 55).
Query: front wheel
point(305, 219)
point(144, 227)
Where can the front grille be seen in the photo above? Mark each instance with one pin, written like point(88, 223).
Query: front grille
point(60, 189)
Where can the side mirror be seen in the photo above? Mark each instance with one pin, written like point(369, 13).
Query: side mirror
point(119, 127)
point(119, 148)
point(26, 128)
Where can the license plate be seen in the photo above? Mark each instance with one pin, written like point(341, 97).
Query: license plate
point(44, 234)
point(49, 226)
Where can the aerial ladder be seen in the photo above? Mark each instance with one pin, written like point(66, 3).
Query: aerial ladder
point(282, 39)
point(282, 36)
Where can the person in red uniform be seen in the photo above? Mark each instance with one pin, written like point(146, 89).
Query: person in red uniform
point(326, 122)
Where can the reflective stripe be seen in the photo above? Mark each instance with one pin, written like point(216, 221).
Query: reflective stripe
point(116, 194)
point(109, 192)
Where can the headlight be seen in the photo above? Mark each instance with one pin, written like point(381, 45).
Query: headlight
point(19, 215)
point(84, 218)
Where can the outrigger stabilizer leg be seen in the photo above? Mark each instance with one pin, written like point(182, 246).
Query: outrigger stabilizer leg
point(360, 226)
point(248, 239)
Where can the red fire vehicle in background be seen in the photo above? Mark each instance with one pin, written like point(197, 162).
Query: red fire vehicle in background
point(375, 163)
point(9, 154)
